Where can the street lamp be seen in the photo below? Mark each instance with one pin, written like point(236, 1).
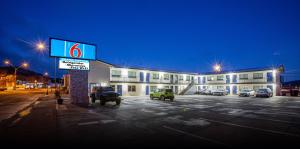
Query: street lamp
point(24, 65)
point(40, 46)
point(46, 75)
point(217, 68)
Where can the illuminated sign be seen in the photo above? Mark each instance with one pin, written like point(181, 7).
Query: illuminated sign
point(74, 64)
point(72, 49)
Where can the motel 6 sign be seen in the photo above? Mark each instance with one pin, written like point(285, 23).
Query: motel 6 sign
point(71, 49)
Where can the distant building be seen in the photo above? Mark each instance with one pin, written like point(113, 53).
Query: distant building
point(24, 76)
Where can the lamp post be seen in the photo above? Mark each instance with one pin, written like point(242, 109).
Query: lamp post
point(24, 65)
point(46, 75)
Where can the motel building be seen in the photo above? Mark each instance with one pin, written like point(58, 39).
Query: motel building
point(139, 82)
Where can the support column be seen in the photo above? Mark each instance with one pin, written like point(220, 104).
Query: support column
point(79, 87)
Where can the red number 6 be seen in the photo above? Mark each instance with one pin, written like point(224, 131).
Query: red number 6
point(73, 48)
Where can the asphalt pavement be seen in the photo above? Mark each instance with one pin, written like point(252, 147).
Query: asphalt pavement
point(190, 121)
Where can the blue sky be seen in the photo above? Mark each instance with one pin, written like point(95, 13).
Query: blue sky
point(174, 35)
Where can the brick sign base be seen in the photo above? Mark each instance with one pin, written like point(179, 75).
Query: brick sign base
point(79, 87)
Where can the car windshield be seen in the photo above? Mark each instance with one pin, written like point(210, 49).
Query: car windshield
point(262, 90)
point(245, 90)
point(107, 89)
point(169, 90)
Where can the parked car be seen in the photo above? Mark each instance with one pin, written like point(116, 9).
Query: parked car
point(162, 94)
point(105, 94)
point(207, 92)
point(264, 92)
point(202, 92)
point(219, 92)
point(246, 93)
point(3, 88)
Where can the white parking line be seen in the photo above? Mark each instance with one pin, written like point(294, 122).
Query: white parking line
point(88, 123)
point(196, 136)
point(254, 128)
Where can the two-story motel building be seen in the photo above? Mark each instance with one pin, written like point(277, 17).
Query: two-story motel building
point(138, 81)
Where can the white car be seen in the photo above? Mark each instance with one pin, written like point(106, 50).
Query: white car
point(219, 92)
point(264, 92)
point(247, 93)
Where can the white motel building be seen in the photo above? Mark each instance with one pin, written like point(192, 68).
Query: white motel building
point(138, 81)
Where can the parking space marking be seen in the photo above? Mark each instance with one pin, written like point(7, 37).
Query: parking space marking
point(88, 123)
point(195, 136)
point(254, 128)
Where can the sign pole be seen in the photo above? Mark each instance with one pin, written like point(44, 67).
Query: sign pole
point(55, 73)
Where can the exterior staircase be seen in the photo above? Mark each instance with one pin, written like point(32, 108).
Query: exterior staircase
point(183, 92)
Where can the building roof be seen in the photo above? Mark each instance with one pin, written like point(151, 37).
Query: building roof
point(197, 73)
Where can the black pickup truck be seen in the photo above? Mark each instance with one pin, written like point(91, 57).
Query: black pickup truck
point(105, 94)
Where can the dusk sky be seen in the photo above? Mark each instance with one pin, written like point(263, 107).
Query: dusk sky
point(170, 35)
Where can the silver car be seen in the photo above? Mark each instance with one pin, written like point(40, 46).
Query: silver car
point(219, 92)
point(246, 93)
point(264, 92)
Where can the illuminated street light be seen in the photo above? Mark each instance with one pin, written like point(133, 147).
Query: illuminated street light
point(40, 46)
point(6, 62)
point(46, 73)
point(217, 68)
point(24, 65)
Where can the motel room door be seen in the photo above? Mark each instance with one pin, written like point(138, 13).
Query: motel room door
point(119, 89)
point(147, 90)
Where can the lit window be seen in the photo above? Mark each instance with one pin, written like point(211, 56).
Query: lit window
point(131, 74)
point(180, 77)
point(116, 73)
point(243, 76)
point(220, 78)
point(155, 76)
point(153, 88)
point(258, 75)
point(166, 76)
point(131, 88)
point(188, 78)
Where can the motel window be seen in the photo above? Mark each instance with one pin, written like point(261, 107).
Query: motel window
point(131, 88)
point(258, 75)
point(220, 87)
point(155, 76)
point(166, 87)
point(256, 87)
point(153, 88)
point(166, 76)
point(116, 73)
point(209, 78)
point(131, 74)
point(180, 77)
point(113, 86)
point(243, 76)
point(220, 78)
point(188, 78)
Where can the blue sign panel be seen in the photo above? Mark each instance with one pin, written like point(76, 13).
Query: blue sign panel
point(71, 49)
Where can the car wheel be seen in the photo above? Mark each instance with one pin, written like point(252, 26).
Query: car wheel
point(118, 101)
point(162, 98)
point(151, 97)
point(172, 98)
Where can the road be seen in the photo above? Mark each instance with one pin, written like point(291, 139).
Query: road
point(12, 102)
point(190, 121)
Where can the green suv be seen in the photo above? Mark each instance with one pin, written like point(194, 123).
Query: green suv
point(163, 94)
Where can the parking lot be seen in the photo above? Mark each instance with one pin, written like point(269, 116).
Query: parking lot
point(226, 121)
